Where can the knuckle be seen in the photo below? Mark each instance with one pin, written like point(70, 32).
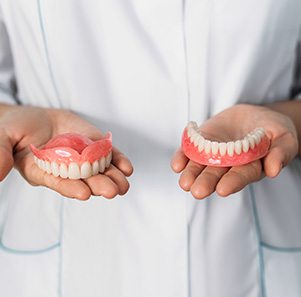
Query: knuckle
point(256, 170)
point(212, 174)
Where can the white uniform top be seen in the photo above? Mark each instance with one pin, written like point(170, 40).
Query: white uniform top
point(141, 69)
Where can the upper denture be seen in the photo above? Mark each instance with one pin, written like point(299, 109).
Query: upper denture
point(74, 156)
point(233, 153)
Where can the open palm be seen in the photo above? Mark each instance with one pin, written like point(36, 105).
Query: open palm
point(21, 126)
point(234, 123)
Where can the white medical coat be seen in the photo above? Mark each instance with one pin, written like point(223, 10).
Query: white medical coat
point(141, 69)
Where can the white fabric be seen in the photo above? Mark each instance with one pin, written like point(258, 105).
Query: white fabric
point(141, 69)
point(6, 66)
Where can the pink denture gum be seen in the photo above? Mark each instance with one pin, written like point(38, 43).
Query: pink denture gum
point(74, 156)
point(253, 146)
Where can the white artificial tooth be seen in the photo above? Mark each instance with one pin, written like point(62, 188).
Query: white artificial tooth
point(73, 171)
point(245, 145)
point(256, 138)
point(102, 164)
point(251, 140)
point(230, 148)
point(108, 159)
point(192, 129)
point(201, 144)
point(63, 170)
point(207, 146)
point(214, 147)
point(55, 169)
point(237, 147)
point(260, 131)
point(194, 136)
point(196, 140)
point(43, 165)
point(95, 167)
point(222, 148)
point(85, 170)
point(48, 167)
point(39, 163)
point(259, 134)
point(192, 124)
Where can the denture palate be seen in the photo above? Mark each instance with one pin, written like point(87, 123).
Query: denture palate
point(204, 151)
point(74, 156)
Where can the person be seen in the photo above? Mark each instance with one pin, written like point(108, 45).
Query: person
point(142, 69)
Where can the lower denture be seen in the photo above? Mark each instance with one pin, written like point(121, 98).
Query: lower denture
point(233, 153)
point(74, 156)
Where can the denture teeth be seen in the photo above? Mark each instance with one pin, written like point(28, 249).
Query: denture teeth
point(55, 169)
point(192, 124)
point(108, 159)
point(222, 148)
point(48, 167)
point(85, 170)
point(230, 148)
point(245, 145)
point(251, 140)
point(201, 144)
point(237, 147)
point(214, 147)
point(95, 167)
point(207, 146)
point(194, 137)
point(63, 170)
point(191, 128)
point(197, 140)
point(73, 171)
point(102, 164)
point(189, 132)
point(260, 131)
point(256, 138)
point(40, 163)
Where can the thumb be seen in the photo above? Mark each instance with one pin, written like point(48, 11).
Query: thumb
point(282, 151)
point(6, 155)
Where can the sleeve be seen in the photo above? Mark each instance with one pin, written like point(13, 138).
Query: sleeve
point(296, 88)
point(7, 78)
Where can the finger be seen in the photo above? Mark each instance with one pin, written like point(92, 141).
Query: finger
point(35, 176)
point(102, 185)
point(239, 177)
point(122, 162)
point(178, 161)
point(118, 178)
point(282, 151)
point(6, 156)
point(189, 174)
point(206, 182)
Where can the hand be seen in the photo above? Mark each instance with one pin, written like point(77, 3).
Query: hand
point(21, 126)
point(231, 124)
